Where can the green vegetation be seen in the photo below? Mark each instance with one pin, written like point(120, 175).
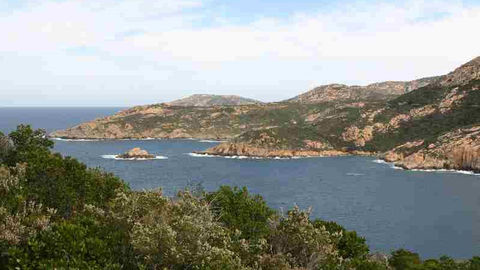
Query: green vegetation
point(55, 213)
point(464, 114)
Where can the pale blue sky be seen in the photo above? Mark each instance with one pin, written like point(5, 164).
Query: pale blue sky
point(129, 52)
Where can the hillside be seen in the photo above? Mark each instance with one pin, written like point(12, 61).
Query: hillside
point(434, 127)
point(202, 100)
point(375, 91)
point(419, 129)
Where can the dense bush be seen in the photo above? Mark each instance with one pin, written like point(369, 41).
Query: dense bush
point(349, 244)
point(239, 210)
point(81, 243)
point(57, 182)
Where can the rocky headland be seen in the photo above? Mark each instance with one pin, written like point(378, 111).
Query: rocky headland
point(430, 123)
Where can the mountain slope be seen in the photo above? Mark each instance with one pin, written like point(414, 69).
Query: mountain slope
point(202, 100)
point(424, 128)
point(434, 127)
point(375, 91)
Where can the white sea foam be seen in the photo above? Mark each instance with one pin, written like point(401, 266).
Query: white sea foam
point(447, 171)
point(211, 141)
point(75, 140)
point(380, 161)
point(243, 157)
point(117, 158)
point(200, 155)
point(355, 174)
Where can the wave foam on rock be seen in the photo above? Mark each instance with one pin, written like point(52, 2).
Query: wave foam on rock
point(117, 158)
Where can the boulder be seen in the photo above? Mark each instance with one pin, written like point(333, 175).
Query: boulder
point(136, 153)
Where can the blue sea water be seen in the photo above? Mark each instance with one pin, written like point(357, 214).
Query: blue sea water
point(431, 213)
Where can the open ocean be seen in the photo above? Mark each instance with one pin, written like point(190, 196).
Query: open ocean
point(432, 213)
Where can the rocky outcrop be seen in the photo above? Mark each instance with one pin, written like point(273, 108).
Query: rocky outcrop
point(463, 74)
point(358, 136)
point(136, 153)
point(458, 150)
point(202, 100)
point(242, 149)
point(375, 91)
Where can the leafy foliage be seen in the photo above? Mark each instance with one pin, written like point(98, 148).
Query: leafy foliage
point(240, 211)
point(349, 244)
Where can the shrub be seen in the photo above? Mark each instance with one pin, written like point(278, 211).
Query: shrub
point(403, 259)
point(82, 243)
point(57, 182)
point(239, 210)
point(302, 244)
point(175, 234)
point(349, 244)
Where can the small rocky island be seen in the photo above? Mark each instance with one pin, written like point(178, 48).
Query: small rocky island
point(136, 153)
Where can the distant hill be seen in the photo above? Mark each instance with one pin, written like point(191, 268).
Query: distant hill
point(375, 91)
point(429, 123)
point(202, 100)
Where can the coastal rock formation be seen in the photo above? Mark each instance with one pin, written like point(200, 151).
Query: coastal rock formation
point(136, 153)
point(375, 91)
point(358, 136)
point(458, 150)
point(242, 149)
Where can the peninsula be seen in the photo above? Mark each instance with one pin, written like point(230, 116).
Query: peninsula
point(430, 123)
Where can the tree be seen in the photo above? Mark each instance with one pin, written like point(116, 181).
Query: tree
point(404, 260)
point(5, 147)
point(349, 244)
point(27, 144)
point(239, 210)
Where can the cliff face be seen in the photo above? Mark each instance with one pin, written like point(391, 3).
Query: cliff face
point(459, 150)
point(376, 91)
point(201, 100)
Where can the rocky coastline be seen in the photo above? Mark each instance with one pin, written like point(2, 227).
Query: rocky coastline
point(428, 124)
point(242, 149)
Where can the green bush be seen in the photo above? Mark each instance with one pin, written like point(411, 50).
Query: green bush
point(239, 210)
point(349, 244)
point(404, 260)
point(82, 243)
point(64, 184)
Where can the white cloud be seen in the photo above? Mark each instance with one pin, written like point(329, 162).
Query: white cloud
point(164, 50)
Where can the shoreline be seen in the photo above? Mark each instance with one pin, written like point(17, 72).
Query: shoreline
point(395, 166)
point(294, 154)
point(133, 139)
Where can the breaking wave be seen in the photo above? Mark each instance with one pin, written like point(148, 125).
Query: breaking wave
point(75, 140)
point(117, 158)
point(242, 157)
point(211, 141)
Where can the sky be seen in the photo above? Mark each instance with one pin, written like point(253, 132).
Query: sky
point(133, 52)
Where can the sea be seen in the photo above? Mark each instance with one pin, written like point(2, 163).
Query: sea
point(432, 213)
